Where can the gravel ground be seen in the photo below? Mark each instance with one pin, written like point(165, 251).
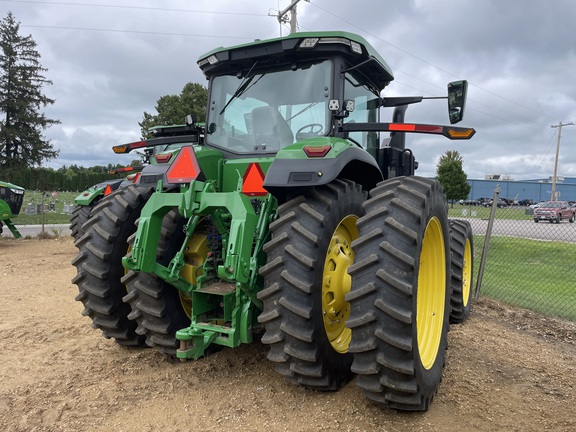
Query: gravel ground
point(507, 370)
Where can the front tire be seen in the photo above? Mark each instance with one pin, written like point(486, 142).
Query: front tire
point(400, 299)
point(462, 264)
point(305, 282)
point(99, 263)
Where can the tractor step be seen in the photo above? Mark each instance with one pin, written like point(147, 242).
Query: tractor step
point(219, 288)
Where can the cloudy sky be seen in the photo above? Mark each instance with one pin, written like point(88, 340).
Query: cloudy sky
point(111, 60)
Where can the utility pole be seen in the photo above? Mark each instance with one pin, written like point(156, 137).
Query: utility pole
point(282, 16)
point(559, 126)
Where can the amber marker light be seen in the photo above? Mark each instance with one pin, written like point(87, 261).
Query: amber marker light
point(460, 133)
point(127, 148)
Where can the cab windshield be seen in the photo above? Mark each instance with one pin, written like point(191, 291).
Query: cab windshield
point(266, 111)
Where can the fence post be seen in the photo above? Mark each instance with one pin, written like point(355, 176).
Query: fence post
point(487, 242)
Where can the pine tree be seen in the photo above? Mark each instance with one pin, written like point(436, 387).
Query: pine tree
point(22, 121)
point(451, 175)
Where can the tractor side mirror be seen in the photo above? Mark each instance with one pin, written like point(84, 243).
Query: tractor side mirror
point(457, 92)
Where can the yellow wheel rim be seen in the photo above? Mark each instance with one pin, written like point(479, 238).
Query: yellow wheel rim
point(336, 284)
point(431, 294)
point(194, 256)
point(467, 273)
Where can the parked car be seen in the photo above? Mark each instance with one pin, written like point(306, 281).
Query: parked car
point(554, 211)
point(526, 202)
point(500, 203)
point(469, 202)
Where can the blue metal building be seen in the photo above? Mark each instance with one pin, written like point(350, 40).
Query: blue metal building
point(537, 190)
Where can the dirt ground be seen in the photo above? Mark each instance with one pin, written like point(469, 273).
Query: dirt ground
point(507, 370)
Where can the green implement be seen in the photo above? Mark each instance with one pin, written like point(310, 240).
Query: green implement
point(11, 199)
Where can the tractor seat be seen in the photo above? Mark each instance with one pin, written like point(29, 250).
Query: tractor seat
point(271, 131)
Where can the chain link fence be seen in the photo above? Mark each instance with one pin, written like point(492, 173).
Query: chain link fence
point(529, 264)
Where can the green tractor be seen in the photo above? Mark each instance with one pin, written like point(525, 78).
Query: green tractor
point(288, 211)
point(11, 199)
point(162, 137)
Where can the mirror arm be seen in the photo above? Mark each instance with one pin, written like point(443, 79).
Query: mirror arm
point(388, 102)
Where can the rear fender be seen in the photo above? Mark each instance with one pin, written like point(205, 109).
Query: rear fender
point(287, 175)
point(89, 195)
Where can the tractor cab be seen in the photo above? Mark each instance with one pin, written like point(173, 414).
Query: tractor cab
point(267, 96)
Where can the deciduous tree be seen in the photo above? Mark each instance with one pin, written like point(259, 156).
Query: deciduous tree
point(173, 109)
point(451, 175)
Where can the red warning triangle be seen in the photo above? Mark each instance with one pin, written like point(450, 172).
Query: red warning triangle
point(253, 180)
point(185, 168)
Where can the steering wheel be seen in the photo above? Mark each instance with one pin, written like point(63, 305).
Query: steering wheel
point(309, 131)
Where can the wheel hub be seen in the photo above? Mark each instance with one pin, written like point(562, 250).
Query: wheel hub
point(336, 284)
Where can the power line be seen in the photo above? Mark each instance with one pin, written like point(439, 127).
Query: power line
point(132, 7)
point(134, 31)
point(545, 152)
point(259, 15)
point(520, 120)
point(427, 62)
point(245, 38)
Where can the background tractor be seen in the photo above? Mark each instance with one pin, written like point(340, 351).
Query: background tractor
point(164, 137)
point(11, 199)
point(288, 211)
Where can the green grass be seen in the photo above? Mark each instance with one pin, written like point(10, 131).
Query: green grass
point(532, 274)
point(56, 217)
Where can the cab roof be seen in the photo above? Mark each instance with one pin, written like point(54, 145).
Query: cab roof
point(10, 185)
point(300, 46)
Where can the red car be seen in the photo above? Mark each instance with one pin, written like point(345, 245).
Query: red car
point(554, 211)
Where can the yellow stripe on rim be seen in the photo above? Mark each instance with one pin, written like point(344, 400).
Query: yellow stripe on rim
point(431, 293)
point(336, 284)
point(467, 273)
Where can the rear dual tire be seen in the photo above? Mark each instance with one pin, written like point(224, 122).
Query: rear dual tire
point(462, 259)
point(305, 282)
point(158, 307)
point(99, 263)
point(400, 296)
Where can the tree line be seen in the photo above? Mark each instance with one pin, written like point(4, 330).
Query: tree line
point(70, 179)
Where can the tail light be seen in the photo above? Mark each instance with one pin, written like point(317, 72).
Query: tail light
point(316, 151)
